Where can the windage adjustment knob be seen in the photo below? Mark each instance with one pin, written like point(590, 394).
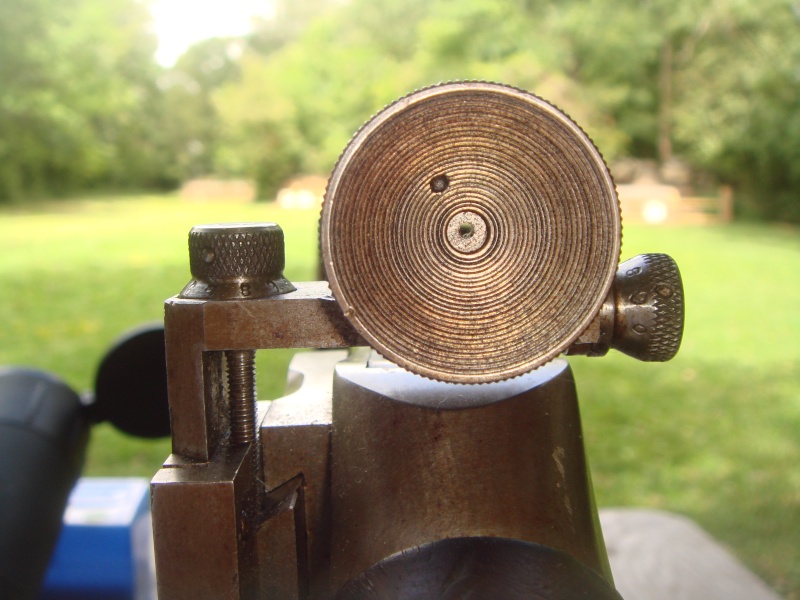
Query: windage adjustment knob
point(649, 309)
point(231, 261)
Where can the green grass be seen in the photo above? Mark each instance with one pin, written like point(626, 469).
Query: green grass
point(714, 434)
point(76, 275)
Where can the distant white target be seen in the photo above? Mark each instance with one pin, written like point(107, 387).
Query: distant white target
point(654, 212)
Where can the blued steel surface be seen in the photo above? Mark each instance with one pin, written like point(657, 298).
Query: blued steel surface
point(197, 331)
point(204, 539)
point(241, 368)
point(648, 294)
point(236, 260)
point(281, 544)
point(415, 461)
point(479, 569)
point(296, 439)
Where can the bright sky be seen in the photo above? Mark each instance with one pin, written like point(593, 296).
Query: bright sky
point(180, 23)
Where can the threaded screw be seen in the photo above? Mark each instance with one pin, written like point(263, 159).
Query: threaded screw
point(238, 261)
point(242, 395)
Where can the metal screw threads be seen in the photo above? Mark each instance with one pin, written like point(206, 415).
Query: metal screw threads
point(242, 394)
point(236, 261)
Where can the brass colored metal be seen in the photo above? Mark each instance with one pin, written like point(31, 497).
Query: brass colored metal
point(642, 316)
point(470, 232)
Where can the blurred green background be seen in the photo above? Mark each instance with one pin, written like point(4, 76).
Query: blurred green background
point(85, 105)
point(95, 133)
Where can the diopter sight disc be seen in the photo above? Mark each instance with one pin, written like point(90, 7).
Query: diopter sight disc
point(470, 232)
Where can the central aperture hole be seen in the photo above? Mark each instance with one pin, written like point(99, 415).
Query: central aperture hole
point(466, 232)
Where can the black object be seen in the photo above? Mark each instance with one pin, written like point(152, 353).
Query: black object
point(131, 384)
point(44, 431)
point(479, 569)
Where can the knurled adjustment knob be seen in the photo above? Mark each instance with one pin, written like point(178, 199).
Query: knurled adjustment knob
point(231, 261)
point(648, 297)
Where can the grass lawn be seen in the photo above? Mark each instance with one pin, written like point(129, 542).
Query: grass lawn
point(714, 434)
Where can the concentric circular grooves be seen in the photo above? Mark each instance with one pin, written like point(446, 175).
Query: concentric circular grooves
point(471, 319)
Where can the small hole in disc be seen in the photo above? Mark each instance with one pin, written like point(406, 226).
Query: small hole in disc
point(466, 230)
point(439, 184)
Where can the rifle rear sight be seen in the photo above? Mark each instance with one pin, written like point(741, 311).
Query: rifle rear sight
point(470, 234)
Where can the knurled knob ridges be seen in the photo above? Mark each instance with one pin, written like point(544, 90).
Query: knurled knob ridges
point(236, 261)
point(649, 308)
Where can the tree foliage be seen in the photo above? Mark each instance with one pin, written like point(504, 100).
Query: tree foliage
point(192, 128)
point(305, 98)
point(715, 84)
point(740, 105)
point(76, 81)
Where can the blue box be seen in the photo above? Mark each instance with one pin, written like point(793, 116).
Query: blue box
point(105, 550)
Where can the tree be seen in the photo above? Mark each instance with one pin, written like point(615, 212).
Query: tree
point(306, 98)
point(77, 78)
point(714, 83)
point(191, 127)
point(739, 101)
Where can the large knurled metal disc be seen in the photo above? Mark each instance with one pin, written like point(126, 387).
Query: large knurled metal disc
point(470, 232)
